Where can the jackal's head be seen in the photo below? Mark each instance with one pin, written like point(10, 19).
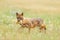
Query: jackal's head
point(19, 16)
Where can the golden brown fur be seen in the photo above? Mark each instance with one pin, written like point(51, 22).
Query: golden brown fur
point(30, 22)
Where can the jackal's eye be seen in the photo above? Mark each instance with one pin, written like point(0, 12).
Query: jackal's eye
point(17, 18)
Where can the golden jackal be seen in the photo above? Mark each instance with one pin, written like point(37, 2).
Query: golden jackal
point(30, 22)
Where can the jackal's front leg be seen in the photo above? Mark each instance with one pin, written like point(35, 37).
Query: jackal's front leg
point(30, 26)
point(29, 29)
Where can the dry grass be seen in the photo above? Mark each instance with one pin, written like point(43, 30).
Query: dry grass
point(49, 10)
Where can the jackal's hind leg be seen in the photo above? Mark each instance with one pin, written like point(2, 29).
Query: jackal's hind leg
point(42, 27)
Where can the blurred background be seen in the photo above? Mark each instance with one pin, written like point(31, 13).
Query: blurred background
point(48, 10)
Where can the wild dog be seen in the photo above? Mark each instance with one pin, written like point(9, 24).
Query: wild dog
point(30, 22)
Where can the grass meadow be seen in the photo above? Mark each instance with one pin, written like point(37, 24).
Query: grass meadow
point(48, 10)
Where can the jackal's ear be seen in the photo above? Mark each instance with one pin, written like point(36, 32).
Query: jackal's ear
point(22, 13)
point(16, 13)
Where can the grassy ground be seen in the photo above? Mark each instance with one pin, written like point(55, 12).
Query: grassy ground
point(48, 10)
